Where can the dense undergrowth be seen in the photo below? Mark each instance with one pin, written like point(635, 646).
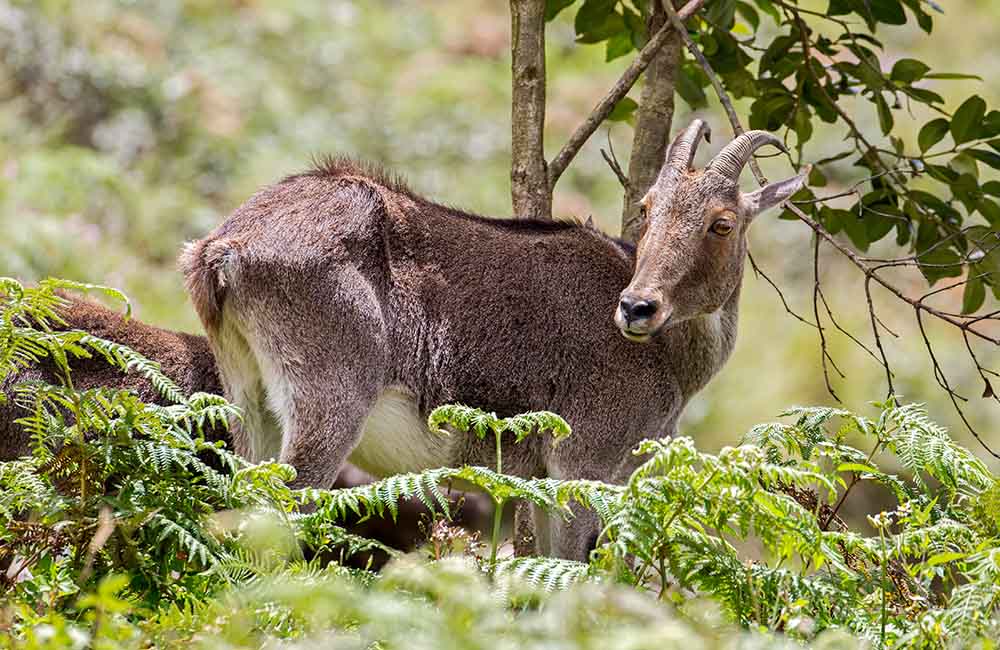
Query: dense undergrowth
point(126, 528)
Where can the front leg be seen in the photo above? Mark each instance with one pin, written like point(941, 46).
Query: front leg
point(610, 460)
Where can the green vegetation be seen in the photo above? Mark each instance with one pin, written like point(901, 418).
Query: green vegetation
point(128, 127)
point(125, 528)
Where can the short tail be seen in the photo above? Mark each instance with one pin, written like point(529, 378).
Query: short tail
point(206, 265)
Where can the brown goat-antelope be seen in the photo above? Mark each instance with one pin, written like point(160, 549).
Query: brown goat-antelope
point(342, 307)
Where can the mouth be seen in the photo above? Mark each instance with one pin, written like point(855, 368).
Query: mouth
point(645, 329)
point(636, 337)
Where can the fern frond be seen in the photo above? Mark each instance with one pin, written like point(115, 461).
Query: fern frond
point(551, 574)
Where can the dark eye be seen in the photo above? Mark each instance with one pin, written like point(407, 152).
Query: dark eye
point(643, 211)
point(722, 227)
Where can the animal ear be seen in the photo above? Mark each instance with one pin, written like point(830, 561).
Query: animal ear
point(774, 194)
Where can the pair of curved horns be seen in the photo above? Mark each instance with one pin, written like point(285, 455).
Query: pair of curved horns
point(730, 161)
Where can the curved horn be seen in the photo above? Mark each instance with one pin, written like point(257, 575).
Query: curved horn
point(681, 153)
point(734, 156)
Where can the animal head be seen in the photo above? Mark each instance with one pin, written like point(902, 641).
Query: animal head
point(690, 256)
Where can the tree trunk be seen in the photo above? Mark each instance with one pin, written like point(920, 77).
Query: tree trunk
point(652, 129)
point(529, 183)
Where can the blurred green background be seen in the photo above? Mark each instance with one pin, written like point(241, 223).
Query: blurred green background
point(128, 127)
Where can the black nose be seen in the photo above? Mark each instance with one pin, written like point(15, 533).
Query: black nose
point(634, 310)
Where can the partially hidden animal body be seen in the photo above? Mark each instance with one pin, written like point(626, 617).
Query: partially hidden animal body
point(342, 307)
point(187, 359)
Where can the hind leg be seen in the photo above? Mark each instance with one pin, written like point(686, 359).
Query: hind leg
point(257, 435)
point(325, 423)
point(321, 406)
point(575, 538)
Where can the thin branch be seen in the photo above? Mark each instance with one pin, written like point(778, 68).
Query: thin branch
point(988, 392)
point(614, 95)
point(952, 395)
point(612, 161)
point(824, 351)
point(759, 272)
point(875, 321)
point(829, 313)
point(676, 19)
point(964, 324)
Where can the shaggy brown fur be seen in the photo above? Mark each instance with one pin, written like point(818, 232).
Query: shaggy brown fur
point(342, 308)
point(185, 358)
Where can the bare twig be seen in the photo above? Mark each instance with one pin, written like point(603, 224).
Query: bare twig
point(759, 272)
point(873, 317)
point(612, 161)
point(988, 392)
point(676, 19)
point(833, 319)
point(824, 351)
point(952, 395)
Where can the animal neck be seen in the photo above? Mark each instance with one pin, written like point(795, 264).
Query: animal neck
point(698, 348)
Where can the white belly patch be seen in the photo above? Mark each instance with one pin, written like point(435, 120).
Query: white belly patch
point(396, 438)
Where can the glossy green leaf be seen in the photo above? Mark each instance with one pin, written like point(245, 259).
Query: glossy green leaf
point(968, 119)
point(618, 45)
point(636, 26)
point(991, 125)
point(964, 163)
point(816, 177)
point(749, 14)
point(939, 263)
point(973, 296)
point(553, 7)
point(932, 133)
point(907, 71)
point(689, 89)
point(924, 95)
point(623, 110)
point(720, 13)
point(768, 7)
point(985, 244)
point(952, 75)
point(988, 208)
point(857, 230)
point(878, 224)
point(597, 21)
point(885, 120)
point(889, 12)
point(989, 157)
